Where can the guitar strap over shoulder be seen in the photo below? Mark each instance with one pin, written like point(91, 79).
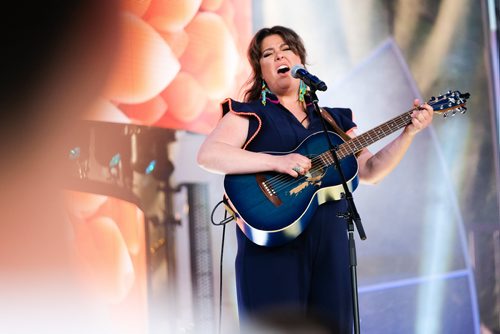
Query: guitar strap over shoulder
point(334, 125)
point(336, 128)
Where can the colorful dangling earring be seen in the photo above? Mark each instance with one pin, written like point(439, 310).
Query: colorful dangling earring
point(263, 93)
point(302, 91)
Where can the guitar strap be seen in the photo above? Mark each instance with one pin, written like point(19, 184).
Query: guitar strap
point(335, 127)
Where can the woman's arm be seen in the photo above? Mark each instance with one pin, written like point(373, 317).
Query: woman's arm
point(222, 152)
point(374, 167)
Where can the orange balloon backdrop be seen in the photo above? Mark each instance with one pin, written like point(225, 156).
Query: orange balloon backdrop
point(177, 60)
point(110, 248)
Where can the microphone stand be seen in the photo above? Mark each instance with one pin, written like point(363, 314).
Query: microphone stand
point(350, 216)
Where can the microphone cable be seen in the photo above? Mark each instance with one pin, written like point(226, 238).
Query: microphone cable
point(222, 223)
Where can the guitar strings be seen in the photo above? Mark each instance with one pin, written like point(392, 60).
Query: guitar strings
point(282, 181)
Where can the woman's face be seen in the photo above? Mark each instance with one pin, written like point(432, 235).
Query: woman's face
point(276, 61)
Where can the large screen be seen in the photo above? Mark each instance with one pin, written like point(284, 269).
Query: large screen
point(176, 61)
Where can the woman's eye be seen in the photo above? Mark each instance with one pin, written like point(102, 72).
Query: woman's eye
point(266, 54)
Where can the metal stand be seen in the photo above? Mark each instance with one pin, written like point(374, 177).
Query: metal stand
point(351, 216)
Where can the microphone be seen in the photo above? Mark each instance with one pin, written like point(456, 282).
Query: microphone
point(299, 72)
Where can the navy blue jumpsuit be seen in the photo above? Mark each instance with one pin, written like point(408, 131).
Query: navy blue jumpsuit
point(308, 276)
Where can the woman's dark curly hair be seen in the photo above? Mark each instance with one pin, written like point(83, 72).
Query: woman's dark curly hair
point(254, 54)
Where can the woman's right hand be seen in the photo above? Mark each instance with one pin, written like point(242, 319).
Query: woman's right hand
point(293, 164)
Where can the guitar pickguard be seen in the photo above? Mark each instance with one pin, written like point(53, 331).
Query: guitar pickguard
point(312, 179)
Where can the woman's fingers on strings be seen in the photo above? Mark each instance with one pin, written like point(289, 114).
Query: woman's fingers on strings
point(298, 170)
point(297, 164)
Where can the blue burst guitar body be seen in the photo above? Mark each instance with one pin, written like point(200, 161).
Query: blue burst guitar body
point(272, 209)
point(280, 206)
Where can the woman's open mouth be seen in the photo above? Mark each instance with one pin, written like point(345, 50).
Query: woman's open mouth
point(283, 69)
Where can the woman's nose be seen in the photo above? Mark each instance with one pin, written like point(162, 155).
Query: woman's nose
point(278, 55)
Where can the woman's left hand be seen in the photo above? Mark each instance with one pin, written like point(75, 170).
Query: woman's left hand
point(421, 118)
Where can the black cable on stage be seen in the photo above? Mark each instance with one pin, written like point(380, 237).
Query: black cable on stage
point(220, 276)
point(223, 223)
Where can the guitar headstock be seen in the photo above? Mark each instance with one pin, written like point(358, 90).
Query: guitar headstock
point(449, 103)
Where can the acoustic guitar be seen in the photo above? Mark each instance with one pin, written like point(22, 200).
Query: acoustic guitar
point(272, 208)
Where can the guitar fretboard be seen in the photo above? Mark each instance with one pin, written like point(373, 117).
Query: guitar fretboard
point(366, 139)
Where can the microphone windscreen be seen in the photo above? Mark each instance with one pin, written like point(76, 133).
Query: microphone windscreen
point(294, 70)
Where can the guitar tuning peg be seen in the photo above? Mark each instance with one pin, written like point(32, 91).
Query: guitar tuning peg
point(433, 98)
point(463, 110)
point(448, 92)
point(453, 113)
point(445, 115)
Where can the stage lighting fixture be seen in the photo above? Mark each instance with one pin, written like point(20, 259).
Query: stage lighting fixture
point(76, 154)
point(149, 153)
point(151, 167)
point(114, 167)
point(115, 160)
point(111, 145)
point(112, 151)
point(142, 152)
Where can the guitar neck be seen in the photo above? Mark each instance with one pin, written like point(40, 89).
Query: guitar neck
point(356, 144)
point(451, 102)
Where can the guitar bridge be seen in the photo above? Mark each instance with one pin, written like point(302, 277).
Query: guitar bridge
point(268, 190)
